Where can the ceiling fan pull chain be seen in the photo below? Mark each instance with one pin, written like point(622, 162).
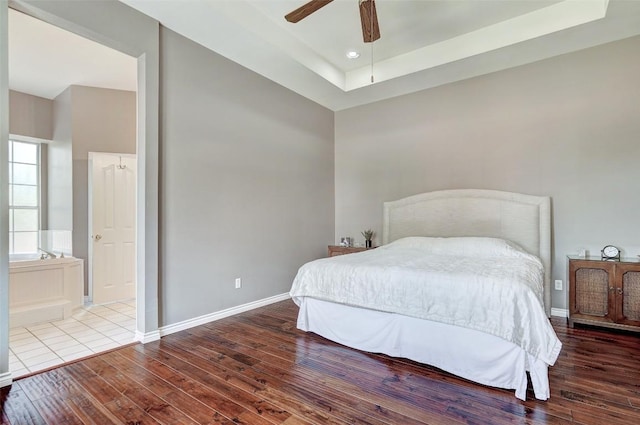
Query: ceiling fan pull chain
point(371, 62)
point(371, 19)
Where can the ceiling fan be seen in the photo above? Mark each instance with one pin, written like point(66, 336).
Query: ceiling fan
point(368, 16)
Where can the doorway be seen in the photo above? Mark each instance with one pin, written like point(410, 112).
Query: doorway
point(92, 329)
point(139, 39)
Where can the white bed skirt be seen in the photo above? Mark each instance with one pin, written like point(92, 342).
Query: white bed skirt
point(470, 354)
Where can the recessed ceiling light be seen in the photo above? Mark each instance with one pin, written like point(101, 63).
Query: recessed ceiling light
point(353, 55)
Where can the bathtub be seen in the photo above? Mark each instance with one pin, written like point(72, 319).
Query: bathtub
point(44, 290)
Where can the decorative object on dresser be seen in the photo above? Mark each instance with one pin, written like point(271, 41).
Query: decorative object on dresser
point(368, 236)
point(604, 293)
point(610, 252)
point(341, 250)
point(345, 241)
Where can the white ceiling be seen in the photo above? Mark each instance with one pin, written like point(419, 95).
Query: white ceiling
point(423, 44)
point(44, 60)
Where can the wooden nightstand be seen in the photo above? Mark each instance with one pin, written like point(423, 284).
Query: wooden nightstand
point(604, 293)
point(341, 250)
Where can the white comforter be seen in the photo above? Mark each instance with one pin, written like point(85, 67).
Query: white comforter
point(485, 284)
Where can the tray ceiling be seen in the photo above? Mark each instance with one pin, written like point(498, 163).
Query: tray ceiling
point(423, 44)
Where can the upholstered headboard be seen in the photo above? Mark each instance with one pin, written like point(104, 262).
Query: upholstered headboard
point(523, 219)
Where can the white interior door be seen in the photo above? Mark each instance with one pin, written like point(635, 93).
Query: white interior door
point(113, 217)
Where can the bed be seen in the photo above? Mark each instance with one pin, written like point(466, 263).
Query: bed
point(461, 283)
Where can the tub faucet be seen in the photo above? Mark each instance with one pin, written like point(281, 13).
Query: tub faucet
point(46, 254)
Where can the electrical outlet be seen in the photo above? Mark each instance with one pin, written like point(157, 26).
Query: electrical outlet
point(238, 283)
point(558, 285)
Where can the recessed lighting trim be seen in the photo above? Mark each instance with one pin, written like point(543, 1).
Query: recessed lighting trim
point(353, 54)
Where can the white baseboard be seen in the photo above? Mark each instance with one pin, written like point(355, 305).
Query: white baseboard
point(207, 318)
point(559, 312)
point(147, 337)
point(5, 379)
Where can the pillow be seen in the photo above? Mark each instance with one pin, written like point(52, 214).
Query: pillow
point(471, 246)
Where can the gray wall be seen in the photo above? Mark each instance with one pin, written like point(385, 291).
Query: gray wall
point(246, 182)
point(567, 127)
point(103, 120)
point(60, 176)
point(30, 116)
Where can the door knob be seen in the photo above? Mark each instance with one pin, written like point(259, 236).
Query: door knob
point(98, 237)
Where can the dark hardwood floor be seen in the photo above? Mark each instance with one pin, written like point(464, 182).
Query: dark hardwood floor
point(257, 368)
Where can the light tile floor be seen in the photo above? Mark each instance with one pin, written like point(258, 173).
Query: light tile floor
point(92, 329)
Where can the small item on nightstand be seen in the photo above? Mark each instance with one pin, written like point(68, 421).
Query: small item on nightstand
point(368, 235)
point(345, 241)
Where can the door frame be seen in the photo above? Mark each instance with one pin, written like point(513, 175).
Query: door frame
point(140, 39)
point(5, 374)
point(92, 155)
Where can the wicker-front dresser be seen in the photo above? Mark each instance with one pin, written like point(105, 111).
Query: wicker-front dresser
point(604, 293)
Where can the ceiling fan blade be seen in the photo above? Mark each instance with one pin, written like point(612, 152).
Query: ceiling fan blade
point(369, 20)
point(306, 10)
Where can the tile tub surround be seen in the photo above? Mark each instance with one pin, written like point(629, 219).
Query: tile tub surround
point(91, 329)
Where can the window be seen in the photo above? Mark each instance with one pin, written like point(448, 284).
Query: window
point(24, 196)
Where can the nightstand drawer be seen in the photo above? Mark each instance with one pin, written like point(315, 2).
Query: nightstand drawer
point(342, 250)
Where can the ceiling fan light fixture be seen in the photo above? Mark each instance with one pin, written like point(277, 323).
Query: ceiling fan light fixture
point(353, 54)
